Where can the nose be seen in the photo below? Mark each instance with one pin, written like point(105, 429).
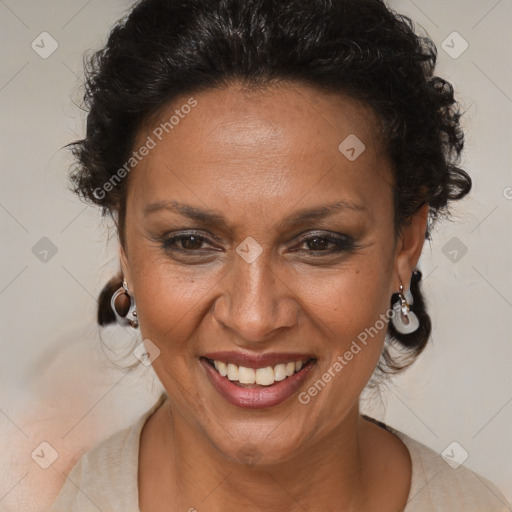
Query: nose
point(254, 301)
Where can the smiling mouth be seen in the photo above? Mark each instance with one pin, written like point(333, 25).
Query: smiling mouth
point(258, 377)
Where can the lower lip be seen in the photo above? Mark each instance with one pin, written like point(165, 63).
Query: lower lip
point(260, 397)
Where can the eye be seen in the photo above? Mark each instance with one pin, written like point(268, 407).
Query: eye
point(327, 243)
point(185, 242)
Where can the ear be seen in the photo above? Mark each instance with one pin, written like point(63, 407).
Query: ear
point(409, 247)
point(125, 267)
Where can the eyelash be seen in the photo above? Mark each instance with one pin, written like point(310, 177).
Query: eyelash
point(343, 243)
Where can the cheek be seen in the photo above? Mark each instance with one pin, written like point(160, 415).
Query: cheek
point(351, 309)
point(170, 299)
point(351, 314)
point(349, 301)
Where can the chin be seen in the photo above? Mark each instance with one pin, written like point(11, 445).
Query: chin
point(256, 443)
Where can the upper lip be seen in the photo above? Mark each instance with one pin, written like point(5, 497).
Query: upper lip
point(251, 360)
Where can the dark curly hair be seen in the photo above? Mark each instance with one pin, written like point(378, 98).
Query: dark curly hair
point(359, 48)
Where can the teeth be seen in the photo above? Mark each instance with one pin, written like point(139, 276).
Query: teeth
point(262, 376)
point(221, 368)
point(265, 376)
point(280, 372)
point(246, 375)
point(232, 372)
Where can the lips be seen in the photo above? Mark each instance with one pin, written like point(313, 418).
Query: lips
point(242, 390)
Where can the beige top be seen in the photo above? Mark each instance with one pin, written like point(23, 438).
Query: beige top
point(105, 479)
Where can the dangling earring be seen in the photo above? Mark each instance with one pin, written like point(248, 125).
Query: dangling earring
point(404, 320)
point(131, 316)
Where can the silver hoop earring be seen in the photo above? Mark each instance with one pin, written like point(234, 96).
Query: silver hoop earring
point(404, 320)
point(131, 317)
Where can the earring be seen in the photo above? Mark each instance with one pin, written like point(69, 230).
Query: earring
point(131, 317)
point(404, 320)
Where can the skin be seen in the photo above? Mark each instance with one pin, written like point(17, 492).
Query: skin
point(256, 158)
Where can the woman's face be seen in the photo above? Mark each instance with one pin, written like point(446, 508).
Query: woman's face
point(250, 278)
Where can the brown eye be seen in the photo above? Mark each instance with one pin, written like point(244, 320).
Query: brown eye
point(191, 242)
point(318, 243)
point(184, 243)
point(327, 243)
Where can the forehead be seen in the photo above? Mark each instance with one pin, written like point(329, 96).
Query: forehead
point(248, 150)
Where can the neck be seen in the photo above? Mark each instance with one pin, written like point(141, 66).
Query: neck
point(330, 470)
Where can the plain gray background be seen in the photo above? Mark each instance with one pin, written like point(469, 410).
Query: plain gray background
point(57, 384)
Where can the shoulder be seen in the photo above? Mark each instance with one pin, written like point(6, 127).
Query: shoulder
point(105, 477)
point(440, 486)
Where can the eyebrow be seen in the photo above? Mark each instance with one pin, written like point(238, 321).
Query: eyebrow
point(213, 217)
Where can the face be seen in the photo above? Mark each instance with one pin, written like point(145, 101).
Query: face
point(253, 240)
